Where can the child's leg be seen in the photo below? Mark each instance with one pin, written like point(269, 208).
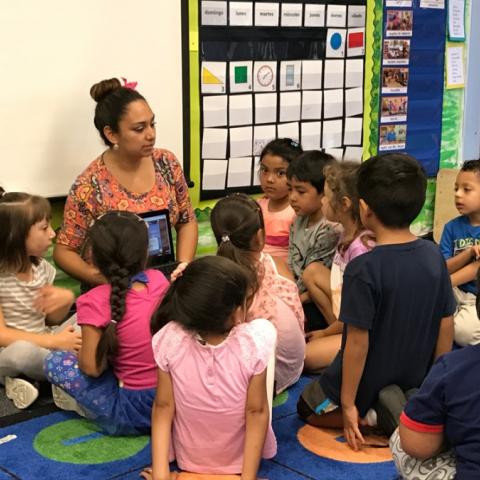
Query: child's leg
point(315, 408)
point(320, 352)
point(410, 468)
point(22, 358)
point(467, 324)
point(316, 278)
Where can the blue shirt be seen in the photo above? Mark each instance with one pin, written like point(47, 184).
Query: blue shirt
point(458, 234)
point(399, 293)
point(449, 401)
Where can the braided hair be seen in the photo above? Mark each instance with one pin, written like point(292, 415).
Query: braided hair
point(119, 246)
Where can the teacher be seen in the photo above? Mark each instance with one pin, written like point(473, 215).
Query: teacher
point(130, 175)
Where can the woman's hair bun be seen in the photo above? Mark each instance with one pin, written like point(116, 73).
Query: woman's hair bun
point(103, 88)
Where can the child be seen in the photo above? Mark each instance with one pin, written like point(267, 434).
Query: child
point(313, 239)
point(278, 215)
point(29, 303)
point(340, 204)
point(115, 321)
point(237, 223)
point(397, 303)
point(459, 246)
point(211, 376)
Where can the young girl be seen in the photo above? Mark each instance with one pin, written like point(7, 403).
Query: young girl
point(340, 204)
point(115, 321)
point(237, 223)
point(211, 376)
point(278, 215)
point(29, 303)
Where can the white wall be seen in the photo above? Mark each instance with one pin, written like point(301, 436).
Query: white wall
point(51, 52)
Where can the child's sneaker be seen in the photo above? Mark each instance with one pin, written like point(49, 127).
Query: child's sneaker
point(64, 401)
point(20, 391)
point(390, 405)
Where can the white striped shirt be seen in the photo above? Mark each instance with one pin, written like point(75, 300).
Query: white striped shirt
point(17, 298)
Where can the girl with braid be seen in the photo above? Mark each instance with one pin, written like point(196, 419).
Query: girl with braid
point(113, 379)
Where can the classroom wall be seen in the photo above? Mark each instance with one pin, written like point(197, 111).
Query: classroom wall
point(51, 53)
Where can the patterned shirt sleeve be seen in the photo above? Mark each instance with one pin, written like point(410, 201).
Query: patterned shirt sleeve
point(80, 211)
point(186, 213)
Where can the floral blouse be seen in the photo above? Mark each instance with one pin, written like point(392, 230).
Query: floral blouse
point(96, 191)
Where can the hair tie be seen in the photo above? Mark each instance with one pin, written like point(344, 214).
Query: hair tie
point(293, 143)
point(113, 321)
point(225, 238)
point(129, 85)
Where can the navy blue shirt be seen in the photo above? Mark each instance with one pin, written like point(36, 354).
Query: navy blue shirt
point(449, 401)
point(458, 235)
point(399, 293)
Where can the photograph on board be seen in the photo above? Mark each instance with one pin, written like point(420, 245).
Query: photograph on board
point(394, 109)
point(396, 52)
point(392, 137)
point(395, 80)
point(399, 23)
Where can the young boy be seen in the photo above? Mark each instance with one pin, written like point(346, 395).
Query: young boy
point(460, 247)
point(397, 303)
point(313, 239)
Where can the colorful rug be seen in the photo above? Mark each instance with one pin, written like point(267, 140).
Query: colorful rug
point(64, 446)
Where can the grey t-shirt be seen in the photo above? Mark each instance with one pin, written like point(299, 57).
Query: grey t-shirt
point(316, 243)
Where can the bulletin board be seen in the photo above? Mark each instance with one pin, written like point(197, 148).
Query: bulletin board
point(264, 70)
point(412, 79)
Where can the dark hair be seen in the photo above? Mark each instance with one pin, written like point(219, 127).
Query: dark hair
point(471, 166)
point(119, 246)
point(286, 148)
point(203, 298)
point(18, 213)
point(393, 185)
point(112, 103)
point(235, 220)
point(308, 167)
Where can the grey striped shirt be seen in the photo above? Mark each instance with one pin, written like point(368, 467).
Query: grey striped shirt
point(17, 298)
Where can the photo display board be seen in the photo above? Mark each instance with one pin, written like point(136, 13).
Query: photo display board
point(276, 69)
point(412, 79)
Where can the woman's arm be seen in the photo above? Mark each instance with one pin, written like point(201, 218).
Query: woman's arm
point(162, 418)
point(87, 355)
point(420, 445)
point(187, 238)
point(257, 417)
point(73, 264)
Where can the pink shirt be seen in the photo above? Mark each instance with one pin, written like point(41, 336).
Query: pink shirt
point(277, 229)
point(340, 261)
point(134, 364)
point(278, 300)
point(210, 386)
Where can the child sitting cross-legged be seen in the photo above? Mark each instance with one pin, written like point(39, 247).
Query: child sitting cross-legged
point(31, 308)
point(211, 404)
point(113, 380)
point(278, 215)
point(460, 245)
point(397, 306)
point(340, 204)
point(313, 238)
point(237, 223)
point(439, 433)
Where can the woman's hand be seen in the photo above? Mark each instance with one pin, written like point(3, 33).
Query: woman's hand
point(178, 271)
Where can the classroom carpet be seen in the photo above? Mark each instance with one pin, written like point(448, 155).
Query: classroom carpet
point(62, 445)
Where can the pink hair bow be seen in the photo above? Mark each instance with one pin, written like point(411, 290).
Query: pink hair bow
point(130, 85)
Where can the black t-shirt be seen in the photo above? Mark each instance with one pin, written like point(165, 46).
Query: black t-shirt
point(399, 293)
point(449, 401)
